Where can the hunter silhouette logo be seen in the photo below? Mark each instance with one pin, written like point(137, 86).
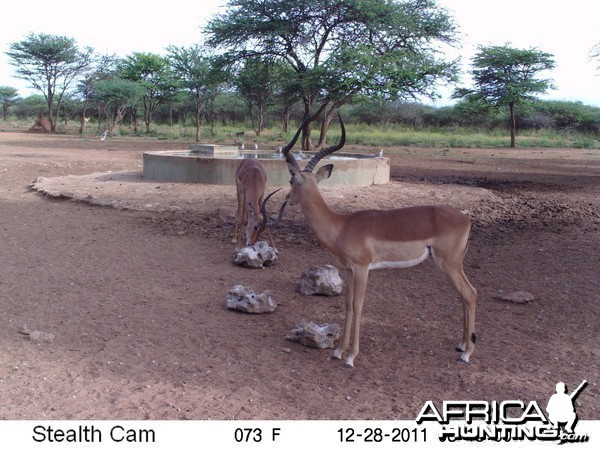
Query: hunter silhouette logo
point(561, 407)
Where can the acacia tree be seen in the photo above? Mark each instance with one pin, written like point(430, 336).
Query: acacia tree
point(103, 67)
point(154, 74)
point(195, 71)
point(115, 97)
point(341, 49)
point(257, 82)
point(8, 97)
point(507, 77)
point(50, 63)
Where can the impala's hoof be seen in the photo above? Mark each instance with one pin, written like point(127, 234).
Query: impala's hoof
point(464, 358)
point(349, 362)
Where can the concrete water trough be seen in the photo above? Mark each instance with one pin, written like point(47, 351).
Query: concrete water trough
point(214, 164)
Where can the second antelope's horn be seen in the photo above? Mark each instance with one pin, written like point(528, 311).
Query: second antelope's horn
point(286, 150)
point(263, 210)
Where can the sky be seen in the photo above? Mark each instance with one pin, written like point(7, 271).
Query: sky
point(566, 30)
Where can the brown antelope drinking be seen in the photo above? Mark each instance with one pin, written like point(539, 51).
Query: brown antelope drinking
point(377, 239)
point(250, 180)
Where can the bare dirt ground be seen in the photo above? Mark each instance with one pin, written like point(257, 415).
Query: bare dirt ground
point(131, 277)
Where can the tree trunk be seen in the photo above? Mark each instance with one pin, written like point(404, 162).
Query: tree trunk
point(513, 125)
point(50, 103)
point(52, 119)
point(306, 144)
point(198, 125)
point(134, 117)
point(261, 119)
point(83, 121)
point(255, 127)
point(326, 123)
point(324, 131)
point(286, 119)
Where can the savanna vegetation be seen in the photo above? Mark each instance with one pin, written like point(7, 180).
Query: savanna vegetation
point(375, 61)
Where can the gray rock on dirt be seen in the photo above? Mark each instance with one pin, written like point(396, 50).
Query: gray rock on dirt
point(321, 281)
point(516, 297)
point(313, 335)
point(256, 256)
point(244, 299)
point(36, 335)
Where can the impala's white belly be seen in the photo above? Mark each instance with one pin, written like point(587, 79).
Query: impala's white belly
point(400, 264)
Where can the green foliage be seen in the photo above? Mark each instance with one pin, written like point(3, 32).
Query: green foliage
point(368, 137)
point(197, 72)
point(193, 67)
point(118, 92)
point(30, 107)
point(257, 82)
point(117, 96)
point(8, 97)
point(340, 50)
point(507, 77)
point(174, 81)
point(154, 74)
point(566, 116)
point(50, 63)
point(504, 75)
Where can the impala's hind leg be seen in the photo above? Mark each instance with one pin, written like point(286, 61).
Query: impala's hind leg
point(453, 269)
point(468, 295)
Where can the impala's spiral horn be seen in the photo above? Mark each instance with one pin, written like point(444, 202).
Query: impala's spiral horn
point(329, 150)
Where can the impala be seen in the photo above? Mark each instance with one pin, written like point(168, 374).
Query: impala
point(379, 239)
point(250, 180)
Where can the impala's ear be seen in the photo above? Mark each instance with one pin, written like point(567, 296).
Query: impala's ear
point(251, 212)
point(324, 172)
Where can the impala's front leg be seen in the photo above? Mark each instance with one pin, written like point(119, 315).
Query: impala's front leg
point(361, 275)
point(271, 243)
point(239, 228)
point(345, 340)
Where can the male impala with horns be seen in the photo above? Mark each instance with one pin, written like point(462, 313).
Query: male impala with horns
point(380, 239)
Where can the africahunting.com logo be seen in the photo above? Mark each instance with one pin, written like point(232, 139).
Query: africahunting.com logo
point(510, 420)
